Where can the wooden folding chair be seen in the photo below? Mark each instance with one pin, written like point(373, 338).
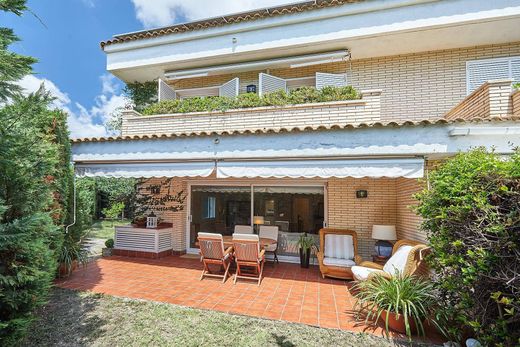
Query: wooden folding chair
point(212, 252)
point(248, 254)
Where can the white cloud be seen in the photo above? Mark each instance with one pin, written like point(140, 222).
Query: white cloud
point(165, 12)
point(82, 122)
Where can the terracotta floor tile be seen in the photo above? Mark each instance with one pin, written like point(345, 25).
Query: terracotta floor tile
point(286, 292)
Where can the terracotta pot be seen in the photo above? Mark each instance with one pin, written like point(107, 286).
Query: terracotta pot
point(398, 325)
point(63, 271)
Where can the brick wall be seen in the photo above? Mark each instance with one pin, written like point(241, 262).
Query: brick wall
point(366, 110)
point(388, 202)
point(415, 86)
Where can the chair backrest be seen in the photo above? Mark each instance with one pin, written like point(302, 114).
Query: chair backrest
point(338, 243)
point(246, 246)
point(243, 229)
point(268, 232)
point(211, 245)
point(407, 258)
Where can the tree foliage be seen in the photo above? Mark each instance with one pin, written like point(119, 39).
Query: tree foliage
point(472, 218)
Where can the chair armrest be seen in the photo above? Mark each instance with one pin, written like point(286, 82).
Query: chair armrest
point(319, 255)
point(358, 259)
point(229, 250)
point(371, 265)
point(261, 254)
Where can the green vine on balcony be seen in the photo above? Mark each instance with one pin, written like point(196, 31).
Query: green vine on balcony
point(303, 95)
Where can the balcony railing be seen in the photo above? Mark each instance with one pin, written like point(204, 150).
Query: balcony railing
point(271, 118)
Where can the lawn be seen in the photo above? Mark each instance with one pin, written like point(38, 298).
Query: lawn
point(84, 319)
point(104, 229)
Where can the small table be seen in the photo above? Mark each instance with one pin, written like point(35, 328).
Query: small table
point(379, 260)
point(228, 241)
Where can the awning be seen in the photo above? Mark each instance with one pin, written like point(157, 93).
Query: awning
point(146, 170)
point(392, 168)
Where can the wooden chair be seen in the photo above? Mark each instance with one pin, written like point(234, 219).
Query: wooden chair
point(243, 229)
point(407, 259)
point(212, 252)
point(248, 255)
point(338, 253)
point(270, 232)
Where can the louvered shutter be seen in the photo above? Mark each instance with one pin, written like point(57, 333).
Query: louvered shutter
point(515, 69)
point(269, 84)
point(230, 88)
point(165, 91)
point(330, 79)
point(480, 71)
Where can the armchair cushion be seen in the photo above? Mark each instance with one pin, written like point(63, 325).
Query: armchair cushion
point(397, 261)
point(361, 273)
point(339, 246)
point(329, 261)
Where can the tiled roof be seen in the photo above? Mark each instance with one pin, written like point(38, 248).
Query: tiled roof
point(439, 121)
point(228, 19)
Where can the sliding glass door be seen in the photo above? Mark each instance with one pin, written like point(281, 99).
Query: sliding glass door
point(294, 209)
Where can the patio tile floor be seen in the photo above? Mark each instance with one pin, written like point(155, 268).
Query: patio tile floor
point(287, 291)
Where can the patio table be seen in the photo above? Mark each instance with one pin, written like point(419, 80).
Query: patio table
point(228, 241)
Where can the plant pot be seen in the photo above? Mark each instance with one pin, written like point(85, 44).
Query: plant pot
point(305, 258)
point(106, 252)
point(63, 271)
point(397, 324)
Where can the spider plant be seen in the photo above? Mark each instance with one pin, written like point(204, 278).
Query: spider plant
point(71, 251)
point(305, 242)
point(409, 298)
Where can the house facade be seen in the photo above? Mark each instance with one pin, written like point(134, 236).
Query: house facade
point(434, 78)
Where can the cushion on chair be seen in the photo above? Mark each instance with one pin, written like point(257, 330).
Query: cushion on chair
point(397, 261)
point(338, 262)
point(361, 273)
point(339, 246)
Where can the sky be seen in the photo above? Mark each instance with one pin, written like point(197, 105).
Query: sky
point(64, 36)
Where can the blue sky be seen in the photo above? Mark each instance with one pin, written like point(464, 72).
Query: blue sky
point(71, 63)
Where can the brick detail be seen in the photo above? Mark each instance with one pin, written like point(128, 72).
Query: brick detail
point(408, 222)
point(329, 114)
point(415, 86)
point(515, 100)
point(492, 99)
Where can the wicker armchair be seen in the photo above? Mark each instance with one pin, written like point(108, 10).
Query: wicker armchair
point(342, 267)
point(413, 264)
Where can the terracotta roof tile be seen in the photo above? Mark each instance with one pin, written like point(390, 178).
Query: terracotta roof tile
point(438, 121)
point(228, 19)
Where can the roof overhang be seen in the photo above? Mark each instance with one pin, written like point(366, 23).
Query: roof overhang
point(368, 29)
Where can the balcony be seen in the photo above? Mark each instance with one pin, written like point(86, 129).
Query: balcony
point(324, 115)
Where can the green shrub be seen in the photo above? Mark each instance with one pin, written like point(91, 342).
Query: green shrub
point(472, 217)
point(114, 211)
point(300, 95)
point(516, 85)
point(109, 243)
point(409, 296)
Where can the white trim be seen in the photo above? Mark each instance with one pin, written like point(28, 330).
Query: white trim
point(472, 131)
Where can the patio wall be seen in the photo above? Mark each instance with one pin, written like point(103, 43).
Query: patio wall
point(388, 202)
point(415, 86)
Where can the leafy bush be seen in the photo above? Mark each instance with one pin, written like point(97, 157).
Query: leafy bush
point(516, 85)
point(301, 95)
point(472, 217)
point(109, 243)
point(115, 210)
point(141, 94)
point(409, 296)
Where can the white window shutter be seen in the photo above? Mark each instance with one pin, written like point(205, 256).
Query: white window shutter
point(330, 79)
point(230, 88)
point(269, 84)
point(165, 91)
point(515, 69)
point(479, 72)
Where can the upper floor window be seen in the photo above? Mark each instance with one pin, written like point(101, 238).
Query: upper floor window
point(480, 71)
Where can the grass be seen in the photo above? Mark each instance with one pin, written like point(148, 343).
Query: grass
point(84, 319)
point(104, 229)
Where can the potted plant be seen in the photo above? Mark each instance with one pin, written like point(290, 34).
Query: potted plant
point(305, 243)
point(139, 221)
point(403, 303)
point(109, 244)
point(72, 253)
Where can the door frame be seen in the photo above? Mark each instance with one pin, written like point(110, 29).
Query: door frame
point(252, 183)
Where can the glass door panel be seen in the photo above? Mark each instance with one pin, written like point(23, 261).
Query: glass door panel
point(217, 209)
point(294, 209)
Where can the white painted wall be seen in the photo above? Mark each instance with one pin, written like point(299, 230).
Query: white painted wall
point(368, 29)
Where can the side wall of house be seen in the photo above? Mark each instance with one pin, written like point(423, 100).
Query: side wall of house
point(407, 221)
point(415, 86)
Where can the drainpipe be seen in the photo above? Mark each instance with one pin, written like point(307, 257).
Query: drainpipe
point(74, 200)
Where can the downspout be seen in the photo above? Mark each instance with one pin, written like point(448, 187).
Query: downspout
point(74, 200)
